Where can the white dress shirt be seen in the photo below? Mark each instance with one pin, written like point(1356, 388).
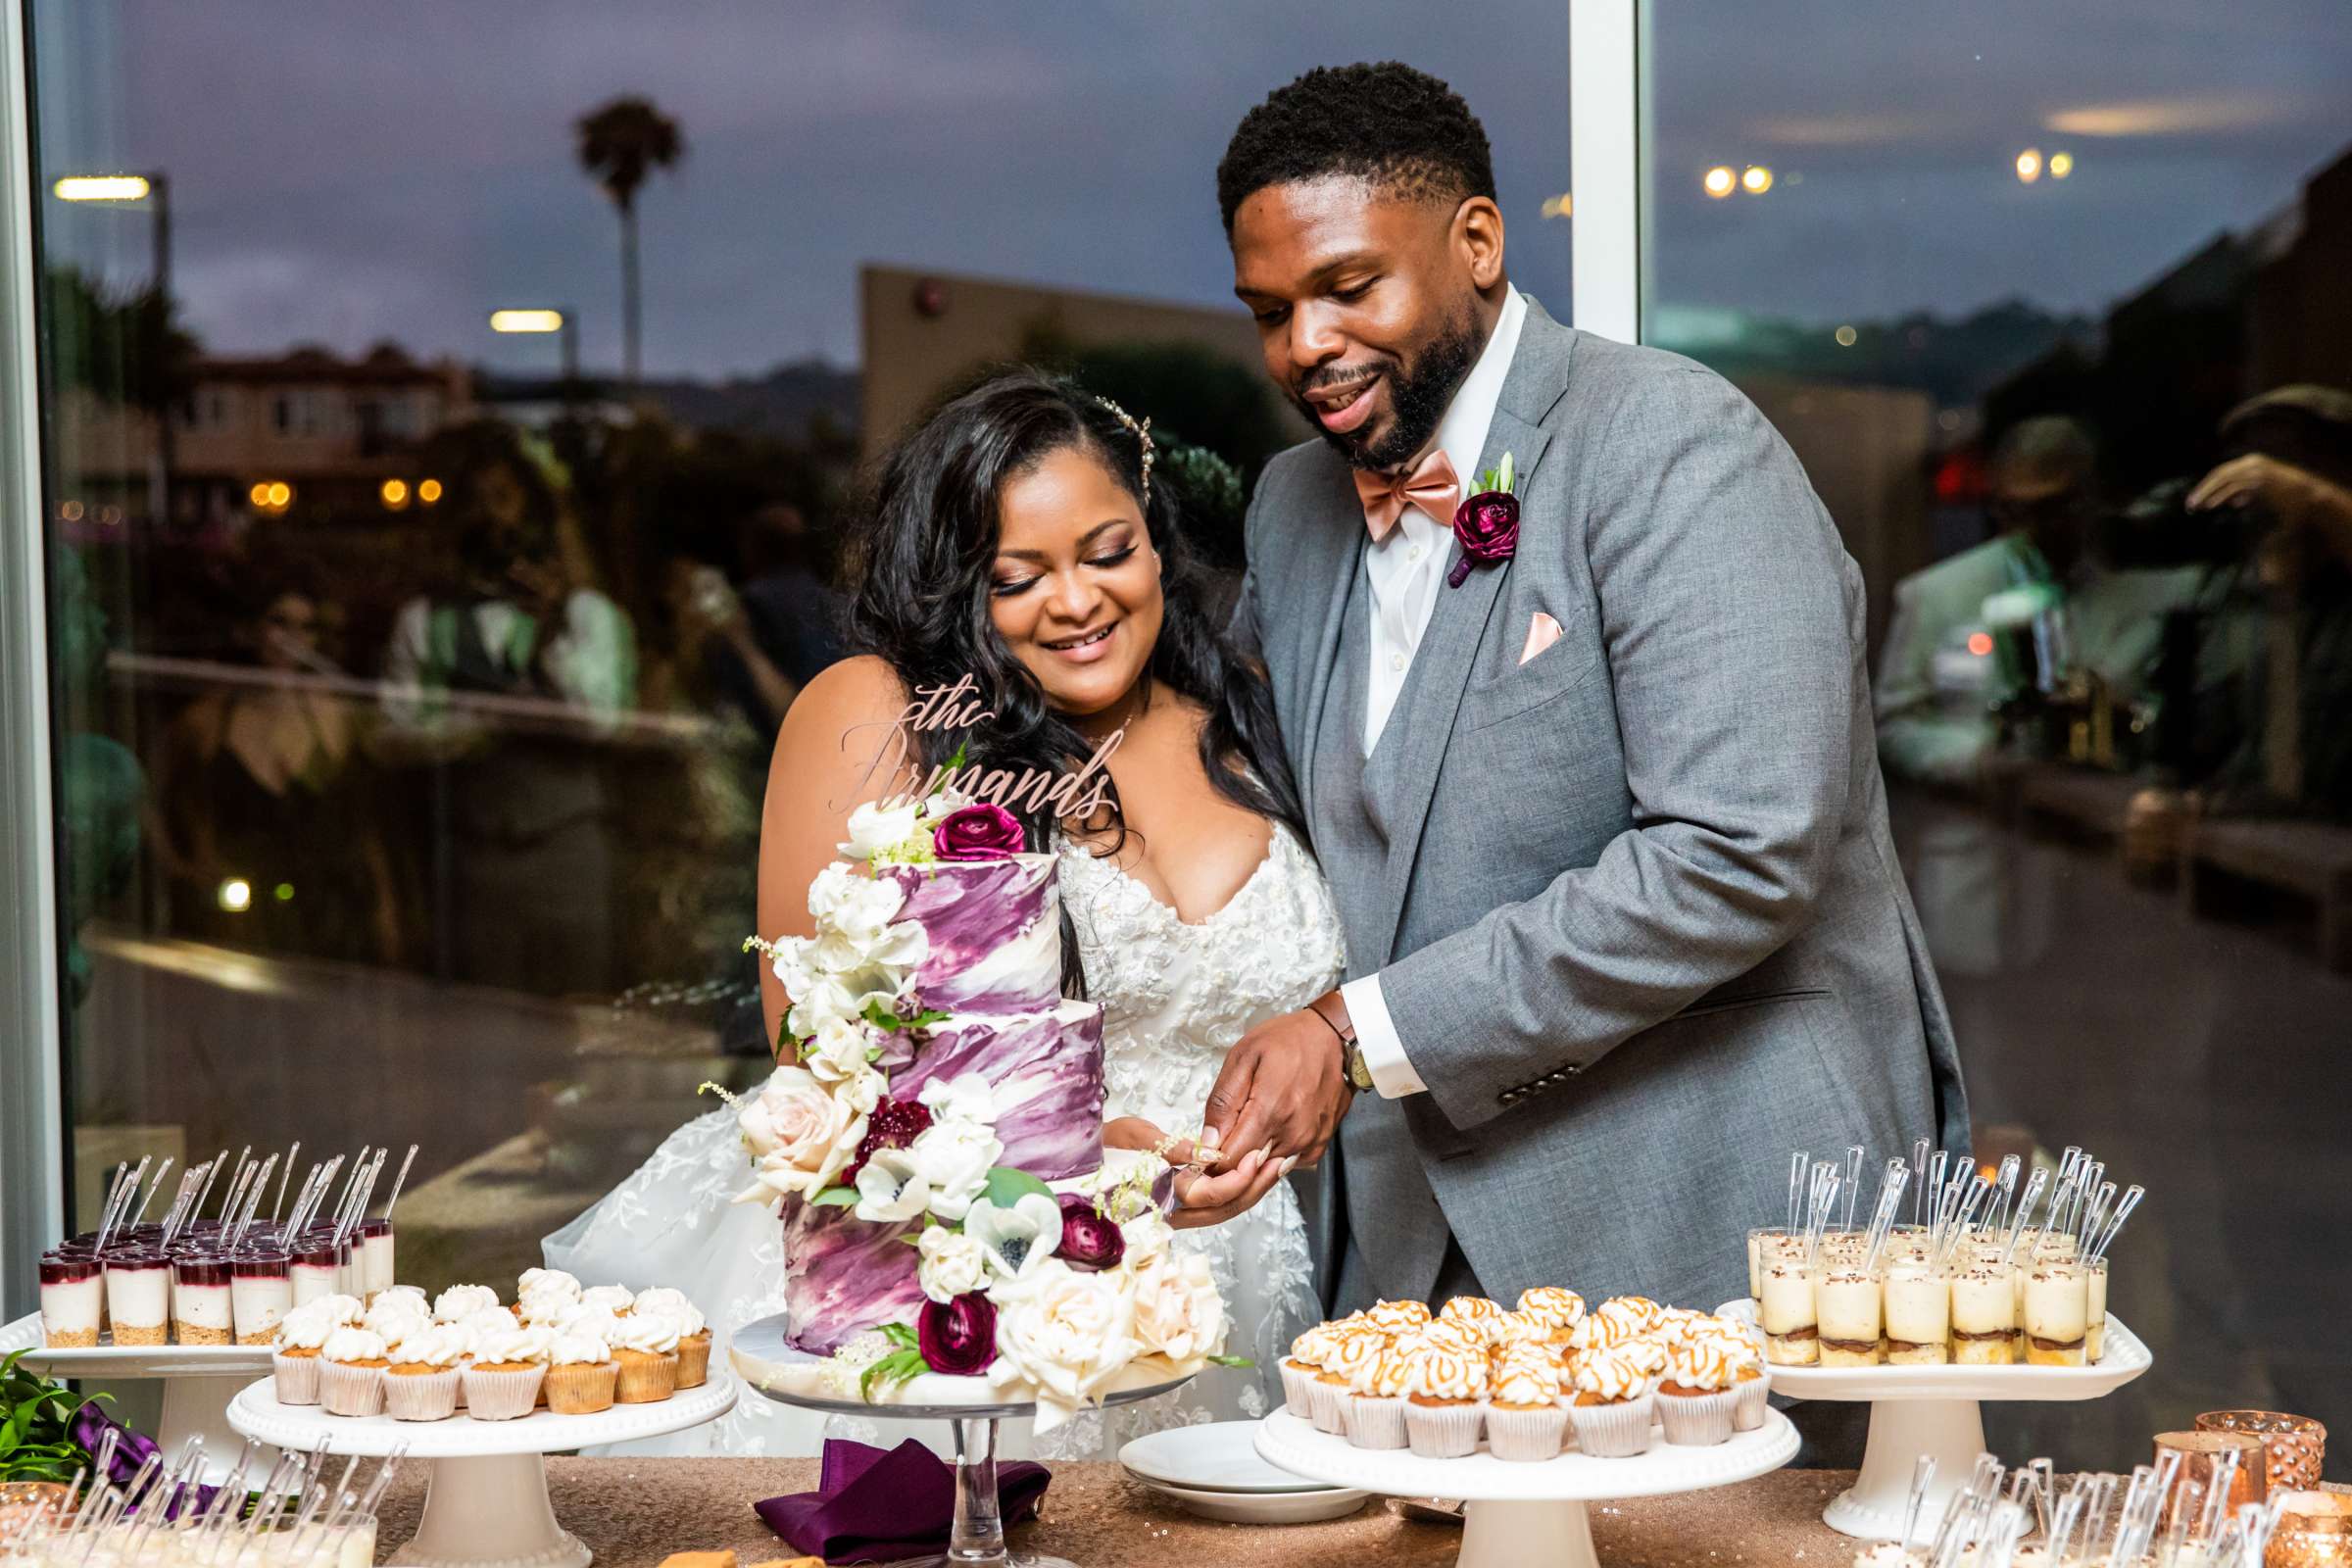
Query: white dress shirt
point(1405, 572)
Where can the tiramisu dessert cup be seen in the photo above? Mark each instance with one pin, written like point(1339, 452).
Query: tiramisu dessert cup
point(351, 1372)
point(1847, 1301)
point(2094, 1340)
point(1764, 1244)
point(203, 1301)
point(138, 1297)
point(1983, 1316)
point(1791, 1334)
point(1919, 1315)
point(261, 1292)
point(421, 1383)
point(73, 1299)
point(2057, 1324)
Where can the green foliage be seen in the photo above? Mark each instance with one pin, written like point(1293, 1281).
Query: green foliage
point(882, 1018)
point(892, 1369)
point(835, 1198)
point(1008, 1187)
point(35, 1426)
point(1231, 1360)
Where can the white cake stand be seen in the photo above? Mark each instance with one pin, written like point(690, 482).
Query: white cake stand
point(1935, 1410)
point(485, 1504)
point(770, 1365)
point(1526, 1514)
point(198, 1381)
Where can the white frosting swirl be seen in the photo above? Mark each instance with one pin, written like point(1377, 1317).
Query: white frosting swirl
point(307, 1327)
point(517, 1343)
point(430, 1344)
point(654, 1333)
point(535, 1280)
point(662, 1299)
point(348, 1344)
point(616, 1300)
point(572, 1348)
point(395, 1317)
point(461, 1302)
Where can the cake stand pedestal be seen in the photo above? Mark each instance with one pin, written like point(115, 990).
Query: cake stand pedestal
point(485, 1503)
point(769, 1365)
point(1936, 1411)
point(199, 1382)
point(1522, 1514)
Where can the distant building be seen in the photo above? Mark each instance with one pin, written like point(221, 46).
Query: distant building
point(924, 330)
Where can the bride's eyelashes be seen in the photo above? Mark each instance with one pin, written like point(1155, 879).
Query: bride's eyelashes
point(1006, 588)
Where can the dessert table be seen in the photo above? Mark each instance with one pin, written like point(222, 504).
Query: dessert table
point(634, 1513)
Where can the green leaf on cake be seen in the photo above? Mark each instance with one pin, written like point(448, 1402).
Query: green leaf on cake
point(835, 1198)
point(892, 1370)
point(1008, 1186)
point(901, 1335)
point(882, 1018)
point(1231, 1360)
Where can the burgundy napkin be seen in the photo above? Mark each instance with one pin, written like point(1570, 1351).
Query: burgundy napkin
point(877, 1505)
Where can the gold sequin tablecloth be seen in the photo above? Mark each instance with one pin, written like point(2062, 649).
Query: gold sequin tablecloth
point(634, 1513)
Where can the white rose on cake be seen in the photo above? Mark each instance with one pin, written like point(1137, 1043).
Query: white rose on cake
point(1178, 1311)
point(801, 1136)
point(875, 827)
point(842, 1049)
point(953, 1264)
point(953, 1156)
point(967, 1097)
point(1063, 1335)
point(1147, 1235)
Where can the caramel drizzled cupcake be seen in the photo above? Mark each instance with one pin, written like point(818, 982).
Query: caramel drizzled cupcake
point(1444, 1401)
point(1600, 1331)
point(1462, 1336)
point(1697, 1399)
point(1556, 1308)
point(1476, 1311)
point(1349, 1352)
point(1614, 1403)
point(1299, 1367)
point(1397, 1317)
point(1525, 1418)
point(421, 1382)
point(351, 1372)
point(1751, 1382)
point(1376, 1398)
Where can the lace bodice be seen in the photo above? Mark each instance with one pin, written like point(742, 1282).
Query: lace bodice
point(1177, 994)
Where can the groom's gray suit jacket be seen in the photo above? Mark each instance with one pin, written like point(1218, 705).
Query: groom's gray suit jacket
point(1633, 904)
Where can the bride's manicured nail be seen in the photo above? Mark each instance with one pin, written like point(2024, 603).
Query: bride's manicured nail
point(1290, 1164)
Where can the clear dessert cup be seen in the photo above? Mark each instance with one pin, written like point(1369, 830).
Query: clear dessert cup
point(73, 1299)
point(202, 1312)
point(375, 1260)
point(1785, 1310)
point(2057, 1321)
point(261, 1292)
point(2094, 1342)
point(1848, 1312)
point(1919, 1313)
point(1984, 1315)
point(138, 1297)
point(1765, 1243)
point(319, 1265)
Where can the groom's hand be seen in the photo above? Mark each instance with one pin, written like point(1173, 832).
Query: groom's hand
point(1284, 1087)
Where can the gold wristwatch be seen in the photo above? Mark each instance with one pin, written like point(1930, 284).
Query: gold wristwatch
point(1357, 1071)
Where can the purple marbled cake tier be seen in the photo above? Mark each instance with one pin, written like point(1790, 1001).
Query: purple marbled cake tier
point(844, 1275)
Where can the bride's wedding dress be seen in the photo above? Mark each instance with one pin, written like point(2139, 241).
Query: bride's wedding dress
point(1175, 996)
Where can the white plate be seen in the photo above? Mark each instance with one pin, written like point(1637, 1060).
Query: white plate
point(256, 1413)
point(1261, 1508)
point(1218, 1457)
point(110, 1360)
point(2122, 1357)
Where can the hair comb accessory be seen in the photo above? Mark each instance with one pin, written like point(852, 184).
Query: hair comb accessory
point(1143, 434)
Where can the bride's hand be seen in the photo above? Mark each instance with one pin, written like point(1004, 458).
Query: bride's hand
point(1200, 1197)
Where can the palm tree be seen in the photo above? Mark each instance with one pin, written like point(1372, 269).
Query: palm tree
point(619, 145)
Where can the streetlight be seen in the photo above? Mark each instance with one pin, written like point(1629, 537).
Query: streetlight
point(156, 191)
point(1719, 182)
point(563, 322)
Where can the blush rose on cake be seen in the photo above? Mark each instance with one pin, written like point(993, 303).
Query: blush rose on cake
point(932, 1136)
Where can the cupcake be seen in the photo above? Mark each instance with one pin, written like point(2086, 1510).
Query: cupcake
point(395, 1317)
point(1639, 1312)
point(1525, 1419)
point(1299, 1367)
point(461, 1302)
point(411, 1293)
point(1335, 1381)
point(1614, 1403)
point(581, 1374)
point(1697, 1399)
point(1444, 1390)
point(1374, 1405)
point(1601, 1331)
point(1458, 1335)
point(546, 1280)
point(693, 1334)
point(351, 1372)
point(294, 1354)
point(546, 1303)
point(1397, 1317)
point(647, 1349)
point(1518, 1328)
point(1557, 1307)
point(1751, 1383)
point(616, 1300)
point(502, 1382)
point(421, 1383)
point(1475, 1312)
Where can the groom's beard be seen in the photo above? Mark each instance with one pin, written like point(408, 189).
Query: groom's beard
point(1419, 394)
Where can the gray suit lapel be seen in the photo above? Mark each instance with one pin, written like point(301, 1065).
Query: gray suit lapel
point(1457, 626)
point(1334, 540)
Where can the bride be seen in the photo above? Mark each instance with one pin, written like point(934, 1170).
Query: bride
point(1021, 536)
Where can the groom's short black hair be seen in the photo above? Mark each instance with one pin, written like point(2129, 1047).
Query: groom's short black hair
point(1389, 124)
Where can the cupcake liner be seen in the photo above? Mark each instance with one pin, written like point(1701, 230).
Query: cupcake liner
point(1613, 1430)
point(351, 1389)
point(297, 1377)
point(422, 1395)
point(1375, 1423)
point(581, 1388)
point(1441, 1431)
point(645, 1377)
point(1528, 1434)
point(1747, 1409)
point(1297, 1384)
point(1327, 1407)
point(1698, 1420)
point(693, 1361)
point(502, 1395)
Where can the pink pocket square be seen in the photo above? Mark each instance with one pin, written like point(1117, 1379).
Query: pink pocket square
point(1542, 633)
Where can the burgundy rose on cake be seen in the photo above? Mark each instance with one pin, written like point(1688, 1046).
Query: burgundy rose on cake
point(958, 1336)
point(1090, 1240)
point(982, 832)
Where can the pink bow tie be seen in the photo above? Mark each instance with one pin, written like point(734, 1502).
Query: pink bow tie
point(1429, 484)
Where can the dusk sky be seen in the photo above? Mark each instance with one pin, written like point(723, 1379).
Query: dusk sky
point(344, 172)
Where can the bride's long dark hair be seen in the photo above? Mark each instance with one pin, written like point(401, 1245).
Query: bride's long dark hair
point(921, 579)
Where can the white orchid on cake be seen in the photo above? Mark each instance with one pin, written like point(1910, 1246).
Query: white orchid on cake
point(907, 1199)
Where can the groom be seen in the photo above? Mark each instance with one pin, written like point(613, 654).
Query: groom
point(1601, 808)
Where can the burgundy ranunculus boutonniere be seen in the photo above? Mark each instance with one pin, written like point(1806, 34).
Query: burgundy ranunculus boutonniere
point(1486, 523)
point(982, 832)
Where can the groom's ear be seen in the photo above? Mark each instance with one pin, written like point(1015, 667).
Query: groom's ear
point(1477, 240)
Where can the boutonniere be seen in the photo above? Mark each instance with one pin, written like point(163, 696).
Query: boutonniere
point(1486, 523)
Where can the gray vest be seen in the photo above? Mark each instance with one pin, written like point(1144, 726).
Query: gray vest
point(1392, 1217)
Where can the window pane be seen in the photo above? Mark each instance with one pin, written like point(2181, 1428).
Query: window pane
point(2050, 301)
point(417, 680)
